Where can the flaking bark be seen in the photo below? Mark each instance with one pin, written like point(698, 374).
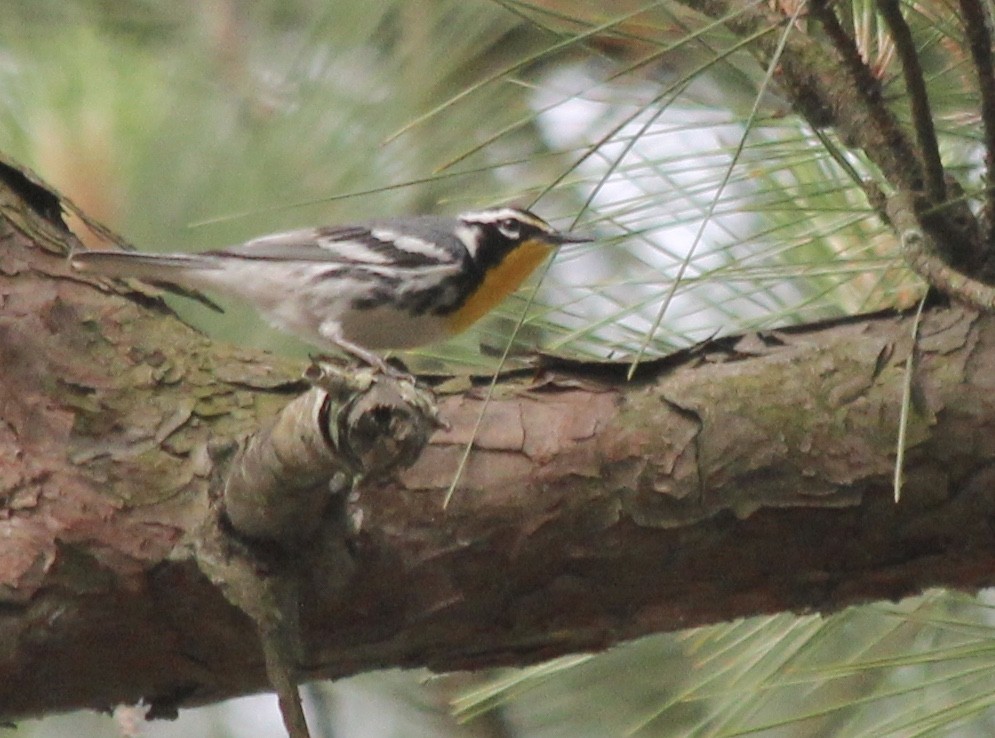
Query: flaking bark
point(750, 476)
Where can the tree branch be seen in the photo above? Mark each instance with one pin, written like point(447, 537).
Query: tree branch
point(922, 255)
point(915, 84)
point(750, 476)
point(980, 41)
point(809, 70)
point(852, 103)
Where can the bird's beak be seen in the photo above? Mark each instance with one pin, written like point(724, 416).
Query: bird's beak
point(561, 238)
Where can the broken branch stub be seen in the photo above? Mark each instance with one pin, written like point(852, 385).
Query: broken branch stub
point(349, 426)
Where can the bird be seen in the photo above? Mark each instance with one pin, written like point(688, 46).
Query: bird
point(392, 283)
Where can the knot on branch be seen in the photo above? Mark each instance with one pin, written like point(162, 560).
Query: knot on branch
point(922, 254)
point(351, 425)
point(282, 516)
point(377, 423)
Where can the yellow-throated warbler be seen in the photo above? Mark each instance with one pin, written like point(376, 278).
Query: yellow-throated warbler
point(385, 284)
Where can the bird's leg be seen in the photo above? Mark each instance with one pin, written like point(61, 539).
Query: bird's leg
point(332, 335)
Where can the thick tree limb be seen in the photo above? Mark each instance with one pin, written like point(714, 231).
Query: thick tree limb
point(752, 476)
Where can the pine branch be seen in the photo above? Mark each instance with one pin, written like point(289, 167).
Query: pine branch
point(915, 84)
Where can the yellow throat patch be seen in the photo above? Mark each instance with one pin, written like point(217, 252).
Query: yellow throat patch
point(499, 282)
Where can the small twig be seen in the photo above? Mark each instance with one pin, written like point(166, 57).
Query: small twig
point(278, 641)
point(922, 255)
point(905, 170)
point(268, 592)
point(861, 75)
point(979, 39)
point(915, 84)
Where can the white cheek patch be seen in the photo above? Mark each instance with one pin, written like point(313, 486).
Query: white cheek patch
point(469, 236)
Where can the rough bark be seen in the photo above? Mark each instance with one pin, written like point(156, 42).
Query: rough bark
point(751, 476)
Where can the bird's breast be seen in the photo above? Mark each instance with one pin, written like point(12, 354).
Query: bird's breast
point(499, 282)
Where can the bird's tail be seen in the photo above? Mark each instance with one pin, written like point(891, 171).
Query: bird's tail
point(177, 273)
point(150, 267)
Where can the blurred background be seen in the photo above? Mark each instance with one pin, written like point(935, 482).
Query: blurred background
point(191, 124)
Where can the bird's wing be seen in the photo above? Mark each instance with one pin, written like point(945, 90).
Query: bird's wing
point(372, 246)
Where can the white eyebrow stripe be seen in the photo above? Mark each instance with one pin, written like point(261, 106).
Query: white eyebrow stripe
point(493, 216)
point(490, 216)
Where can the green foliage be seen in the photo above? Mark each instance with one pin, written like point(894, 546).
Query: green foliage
point(253, 121)
point(192, 124)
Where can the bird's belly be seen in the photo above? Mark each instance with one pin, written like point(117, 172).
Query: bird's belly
point(389, 328)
